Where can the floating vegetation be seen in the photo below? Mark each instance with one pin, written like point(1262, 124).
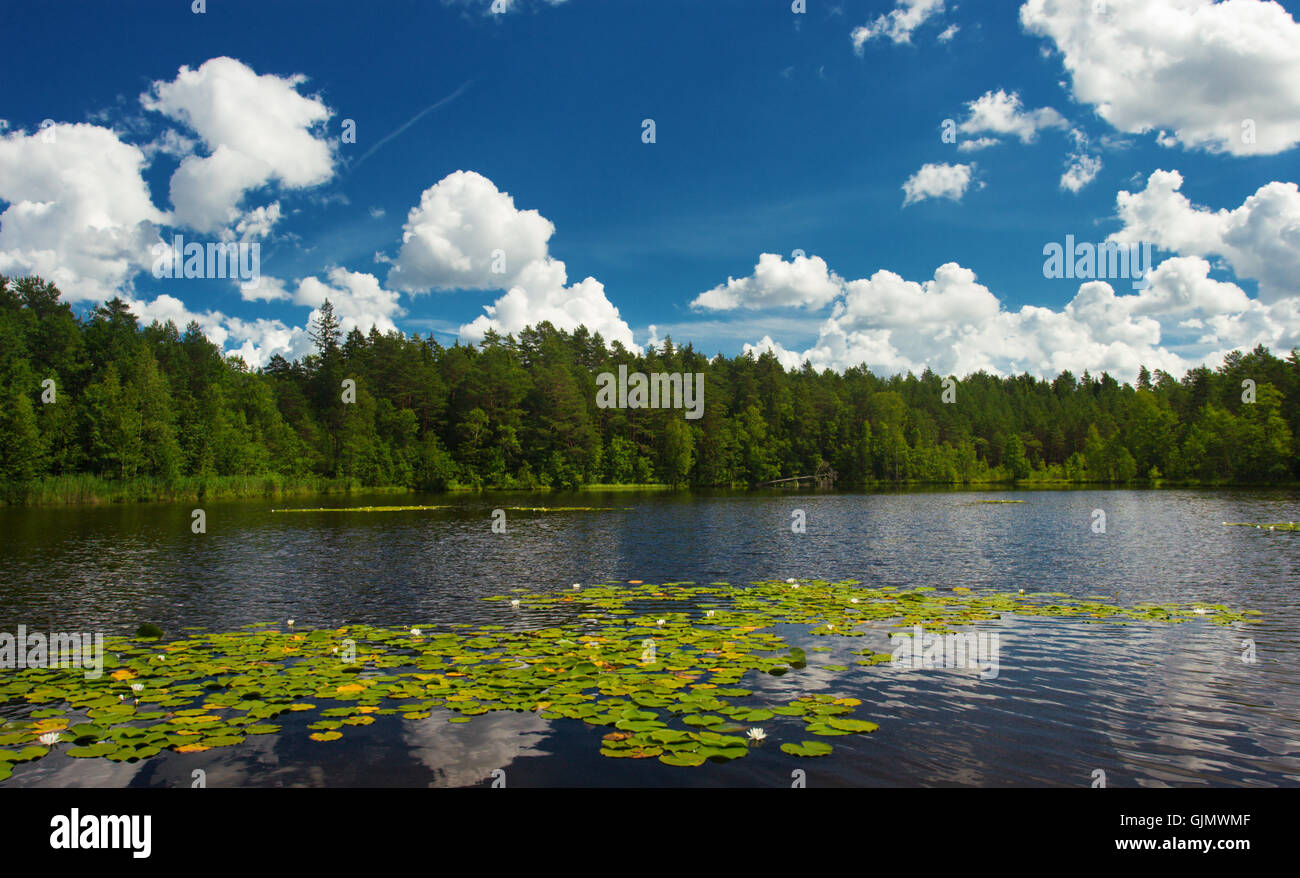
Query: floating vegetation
point(420, 508)
point(667, 668)
point(999, 501)
point(1282, 525)
point(360, 508)
point(567, 508)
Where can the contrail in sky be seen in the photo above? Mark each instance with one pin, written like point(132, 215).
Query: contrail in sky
point(416, 118)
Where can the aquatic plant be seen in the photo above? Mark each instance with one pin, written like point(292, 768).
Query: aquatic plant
point(681, 702)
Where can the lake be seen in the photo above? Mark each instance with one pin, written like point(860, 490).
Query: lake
point(1148, 704)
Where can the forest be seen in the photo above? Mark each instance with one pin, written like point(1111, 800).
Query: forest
point(95, 401)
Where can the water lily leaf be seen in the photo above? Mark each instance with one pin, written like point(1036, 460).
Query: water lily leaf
point(807, 748)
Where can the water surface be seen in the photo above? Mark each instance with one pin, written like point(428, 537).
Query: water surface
point(1150, 705)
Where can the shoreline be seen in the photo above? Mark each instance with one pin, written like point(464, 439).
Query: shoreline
point(85, 490)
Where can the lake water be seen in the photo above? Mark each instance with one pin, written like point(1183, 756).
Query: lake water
point(1150, 705)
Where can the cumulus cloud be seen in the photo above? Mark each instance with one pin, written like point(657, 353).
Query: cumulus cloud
point(789, 360)
point(805, 281)
point(79, 211)
point(466, 234)
point(937, 181)
point(953, 324)
point(1081, 170)
point(997, 112)
point(257, 130)
point(977, 144)
point(543, 294)
point(899, 23)
point(1192, 70)
point(1260, 239)
point(358, 299)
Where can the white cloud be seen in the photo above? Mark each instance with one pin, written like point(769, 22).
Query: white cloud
point(977, 144)
point(358, 299)
point(1000, 113)
point(79, 211)
point(937, 181)
point(166, 307)
point(1182, 317)
point(467, 234)
point(789, 360)
point(258, 130)
point(955, 325)
point(1260, 239)
point(463, 229)
point(899, 23)
point(1082, 170)
point(541, 294)
point(804, 281)
point(1196, 67)
point(258, 222)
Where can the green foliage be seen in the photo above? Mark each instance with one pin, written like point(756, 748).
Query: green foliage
point(681, 703)
point(162, 408)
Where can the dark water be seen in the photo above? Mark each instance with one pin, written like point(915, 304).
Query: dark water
point(1150, 705)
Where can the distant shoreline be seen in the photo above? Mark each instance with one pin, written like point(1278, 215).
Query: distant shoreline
point(87, 490)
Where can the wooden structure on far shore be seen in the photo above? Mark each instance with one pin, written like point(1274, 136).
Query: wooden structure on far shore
point(824, 478)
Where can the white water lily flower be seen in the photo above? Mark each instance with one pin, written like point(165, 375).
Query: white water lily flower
point(137, 687)
point(577, 585)
point(756, 734)
point(661, 622)
point(161, 657)
point(830, 627)
point(290, 623)
point(1200, 611)
point(789, 580)
point(1022, 591)
point(708, 614)
point(853, 600)
point(415, 632)
point(514, 602)
point(49, 739)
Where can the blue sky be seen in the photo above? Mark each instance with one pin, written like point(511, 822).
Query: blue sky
point(775, 131)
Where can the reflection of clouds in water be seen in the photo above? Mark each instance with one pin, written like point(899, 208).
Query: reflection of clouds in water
point(53, 771)
point(463, 754)
point(252, 763)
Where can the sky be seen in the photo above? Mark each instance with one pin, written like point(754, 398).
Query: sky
point(845, 183)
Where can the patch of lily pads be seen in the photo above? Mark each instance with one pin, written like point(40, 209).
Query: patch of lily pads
point(358, 508)
point(1280, 525)
point(669, 669)
point(421, 508)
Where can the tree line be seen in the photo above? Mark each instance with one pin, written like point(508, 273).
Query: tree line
point(103, 396)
